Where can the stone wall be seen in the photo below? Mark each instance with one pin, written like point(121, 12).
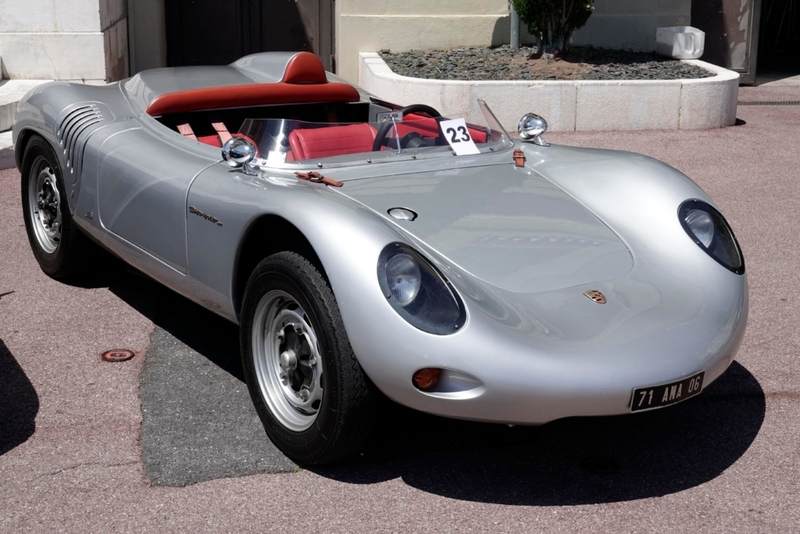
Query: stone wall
point(64, 39)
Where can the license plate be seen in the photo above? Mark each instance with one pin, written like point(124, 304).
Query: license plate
point(650, 397)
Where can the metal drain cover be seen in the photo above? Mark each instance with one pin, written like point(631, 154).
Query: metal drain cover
point(117, 355)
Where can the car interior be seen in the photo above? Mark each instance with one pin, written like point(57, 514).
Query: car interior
point(330, 117)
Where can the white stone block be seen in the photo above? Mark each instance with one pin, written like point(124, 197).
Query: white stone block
point(61, 56)
point(569, 105)
point(709, 102)
point(22, 16)
point(509, 101)
point(680, 42)
point(631, 105)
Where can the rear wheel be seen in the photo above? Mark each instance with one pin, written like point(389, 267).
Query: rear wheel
point(60, 248)
point(312, 396)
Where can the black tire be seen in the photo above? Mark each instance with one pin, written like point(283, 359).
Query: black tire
point(58, 245)
point(294, 348)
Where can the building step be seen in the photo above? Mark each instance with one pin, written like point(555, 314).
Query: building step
point(11, 92)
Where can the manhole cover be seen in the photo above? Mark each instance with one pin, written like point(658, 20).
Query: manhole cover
point(117, 355)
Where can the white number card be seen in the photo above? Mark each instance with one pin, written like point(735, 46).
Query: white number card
point(457, 134)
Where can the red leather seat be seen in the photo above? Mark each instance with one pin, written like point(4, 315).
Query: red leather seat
point(313, 143)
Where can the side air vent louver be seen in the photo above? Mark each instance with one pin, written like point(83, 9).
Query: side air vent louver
point(69, 131)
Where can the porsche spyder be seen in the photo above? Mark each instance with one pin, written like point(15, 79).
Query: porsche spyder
point(367, 249)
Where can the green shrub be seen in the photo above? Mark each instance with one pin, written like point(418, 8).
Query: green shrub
point(553, 21)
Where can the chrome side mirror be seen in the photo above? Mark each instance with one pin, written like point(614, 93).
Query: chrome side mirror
point(239, 152)
point(532, 126)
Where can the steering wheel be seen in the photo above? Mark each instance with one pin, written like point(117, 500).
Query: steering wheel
point(386, 126)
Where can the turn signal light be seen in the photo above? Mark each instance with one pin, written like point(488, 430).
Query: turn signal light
point(426, 378)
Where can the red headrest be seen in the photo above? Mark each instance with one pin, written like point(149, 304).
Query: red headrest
point(304, 67)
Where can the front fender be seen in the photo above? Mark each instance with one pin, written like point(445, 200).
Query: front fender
point(224, 204)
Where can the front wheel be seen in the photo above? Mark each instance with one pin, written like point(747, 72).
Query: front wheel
point(60, 248)
point(312, 396)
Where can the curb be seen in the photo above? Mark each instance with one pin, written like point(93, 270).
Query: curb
point(570, 105)
point(11, 92)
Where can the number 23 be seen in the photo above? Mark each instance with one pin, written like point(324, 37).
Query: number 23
point(462, 130)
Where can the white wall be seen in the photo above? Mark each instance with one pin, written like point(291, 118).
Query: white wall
point(64, 39)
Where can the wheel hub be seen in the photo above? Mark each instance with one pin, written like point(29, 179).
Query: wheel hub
point(45, 205)
point(287, 361)
point(296, 359)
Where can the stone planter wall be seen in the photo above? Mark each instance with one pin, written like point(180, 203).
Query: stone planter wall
point(570, 105)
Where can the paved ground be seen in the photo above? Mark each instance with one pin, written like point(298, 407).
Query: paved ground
point(93, 446)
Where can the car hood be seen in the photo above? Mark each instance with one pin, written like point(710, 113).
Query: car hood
point(509, 227)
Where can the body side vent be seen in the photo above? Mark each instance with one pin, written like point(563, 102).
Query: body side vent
point(74, 123)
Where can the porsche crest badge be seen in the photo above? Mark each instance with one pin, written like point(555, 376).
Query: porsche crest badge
point(595, 296)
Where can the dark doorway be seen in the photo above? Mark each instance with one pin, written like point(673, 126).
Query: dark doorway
point(760, 39)
point(217, 32)
point(779, 43)
point(731, 28)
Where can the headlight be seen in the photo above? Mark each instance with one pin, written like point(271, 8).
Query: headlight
point(708, 228)
point(418, 292)
point(403, 277)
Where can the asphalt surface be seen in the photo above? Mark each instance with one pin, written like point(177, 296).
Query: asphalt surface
point(168, 442)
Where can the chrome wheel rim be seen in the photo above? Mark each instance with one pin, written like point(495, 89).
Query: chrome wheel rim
point(44, 203)
point(287, 361)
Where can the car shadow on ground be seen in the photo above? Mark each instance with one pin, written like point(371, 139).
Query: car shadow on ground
point(571, 461)
point(19, 403)
point(581, 460)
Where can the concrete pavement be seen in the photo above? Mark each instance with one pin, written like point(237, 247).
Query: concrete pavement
point(72, 445)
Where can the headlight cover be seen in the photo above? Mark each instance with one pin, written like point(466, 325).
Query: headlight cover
point(418, 292)
point(708, 228)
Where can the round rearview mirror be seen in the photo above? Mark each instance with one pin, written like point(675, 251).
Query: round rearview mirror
point(531, 126)
point(238, 151)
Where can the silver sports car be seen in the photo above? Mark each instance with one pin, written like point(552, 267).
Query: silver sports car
point(369, 249)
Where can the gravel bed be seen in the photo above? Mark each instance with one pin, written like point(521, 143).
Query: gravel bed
point(505, 63)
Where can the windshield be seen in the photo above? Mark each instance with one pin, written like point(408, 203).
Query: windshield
point(415, 135)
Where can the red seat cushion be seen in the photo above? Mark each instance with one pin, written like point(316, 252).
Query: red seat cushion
point(332, 141)
point(212, 140)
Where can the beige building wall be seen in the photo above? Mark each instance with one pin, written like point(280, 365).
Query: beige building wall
point(64, 39)
point(373, 25)
point(631, 24)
